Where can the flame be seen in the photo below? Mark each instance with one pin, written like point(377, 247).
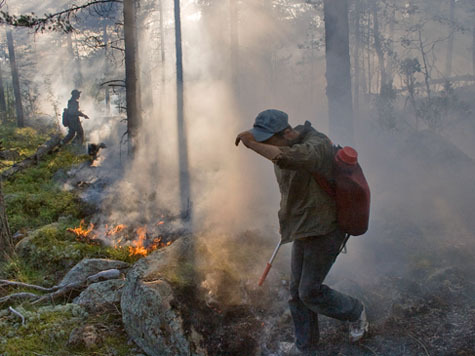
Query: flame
point(115, 230)
point(137, 247)
point(140, 246)
point(82, 232)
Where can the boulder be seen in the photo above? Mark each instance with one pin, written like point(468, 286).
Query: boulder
point(90, 266)
point(85, 336)
point(148, 312)
point(100, 296)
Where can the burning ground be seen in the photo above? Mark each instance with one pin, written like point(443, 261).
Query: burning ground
point(413, 270)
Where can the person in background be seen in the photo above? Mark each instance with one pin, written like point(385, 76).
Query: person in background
point(73, 122)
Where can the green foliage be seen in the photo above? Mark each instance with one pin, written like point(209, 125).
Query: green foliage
point(385, 110)
point(23, 140)
point(47, 330)
point(31, 196)
point(53, 250)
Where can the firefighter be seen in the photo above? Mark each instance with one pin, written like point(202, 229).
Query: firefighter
point(307, 217)
point(73, 122)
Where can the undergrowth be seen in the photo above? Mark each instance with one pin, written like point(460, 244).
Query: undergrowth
point(46, 331)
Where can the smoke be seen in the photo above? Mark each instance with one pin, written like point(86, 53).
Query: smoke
point(421, 201)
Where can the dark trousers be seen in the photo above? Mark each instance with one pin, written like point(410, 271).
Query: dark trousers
point(312, 258)
point(75, 129)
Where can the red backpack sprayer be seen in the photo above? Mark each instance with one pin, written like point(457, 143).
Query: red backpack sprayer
point(351, 192)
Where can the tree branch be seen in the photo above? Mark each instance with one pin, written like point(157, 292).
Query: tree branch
point(52, 22)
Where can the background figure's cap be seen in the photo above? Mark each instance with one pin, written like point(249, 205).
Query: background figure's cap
point(75, 92)
point(268, 123)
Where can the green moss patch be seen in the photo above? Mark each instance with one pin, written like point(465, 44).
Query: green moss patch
point(47, 329)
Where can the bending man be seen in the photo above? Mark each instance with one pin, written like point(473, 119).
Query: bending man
point(307, 216)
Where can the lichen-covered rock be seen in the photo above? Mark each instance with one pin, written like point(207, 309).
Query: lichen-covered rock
point(85, 336)
point(148, 313)
point(90, 266)
point(99, 296)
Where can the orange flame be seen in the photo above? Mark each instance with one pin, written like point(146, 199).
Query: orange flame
point(82, 232)
point(136, 247)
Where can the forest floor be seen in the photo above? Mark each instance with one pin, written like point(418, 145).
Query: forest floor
point(429, 311)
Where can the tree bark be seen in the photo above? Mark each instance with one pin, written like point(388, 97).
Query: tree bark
point(131, 85)
point(3, 104)
point(356, 57)
point(451, 40)
point(105, 39)
point(15, 80)
point(473, 44)
point(340, 110)
point(378, 46)
point(6, 243)
point(182, 137)
point(234, 42)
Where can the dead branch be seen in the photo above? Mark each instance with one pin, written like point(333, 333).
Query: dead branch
point(104, 275)
point(369, 348)
point(26, 285)
point(420, 343)
point(60, 292)
point(18, 296)
point(17, 313)
point(42, 151)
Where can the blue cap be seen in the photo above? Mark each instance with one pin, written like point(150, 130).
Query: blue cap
point(268, 123)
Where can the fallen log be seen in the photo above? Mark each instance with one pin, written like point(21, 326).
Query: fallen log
point(42, 151)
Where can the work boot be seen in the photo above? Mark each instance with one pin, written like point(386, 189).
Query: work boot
point(360, 327)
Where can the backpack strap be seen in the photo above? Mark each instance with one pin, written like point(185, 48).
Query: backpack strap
point(324, 184)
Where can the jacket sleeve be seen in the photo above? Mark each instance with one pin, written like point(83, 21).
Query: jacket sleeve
point(309, 155)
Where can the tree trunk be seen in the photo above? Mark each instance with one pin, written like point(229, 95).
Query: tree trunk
point(356, 57)
point(391, 61)
point(105, 39)
point(473, 45)
point(15, 80)
point(6, 243)
point(234, 41)
point(131, 85)
point(182, 138)
point(425, 65)
point(451, 40)
point(340, 110)
point(378, 47)
point(3, 104)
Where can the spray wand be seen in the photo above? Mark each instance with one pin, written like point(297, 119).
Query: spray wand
point(269, 264)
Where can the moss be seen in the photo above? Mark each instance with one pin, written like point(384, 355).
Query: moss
point(47, 331)
point(54, 250)
point(23, 140)
point(33, 199)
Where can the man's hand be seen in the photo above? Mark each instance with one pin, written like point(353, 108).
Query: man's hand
point(246, 137)
point(86, 117)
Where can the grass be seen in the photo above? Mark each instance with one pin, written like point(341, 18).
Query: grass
point(47, 331)
point(38, 206)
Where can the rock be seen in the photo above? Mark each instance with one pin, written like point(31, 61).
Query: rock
point(99, 296)
point(85, 336)
point(147, 304)
point(90, 266)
